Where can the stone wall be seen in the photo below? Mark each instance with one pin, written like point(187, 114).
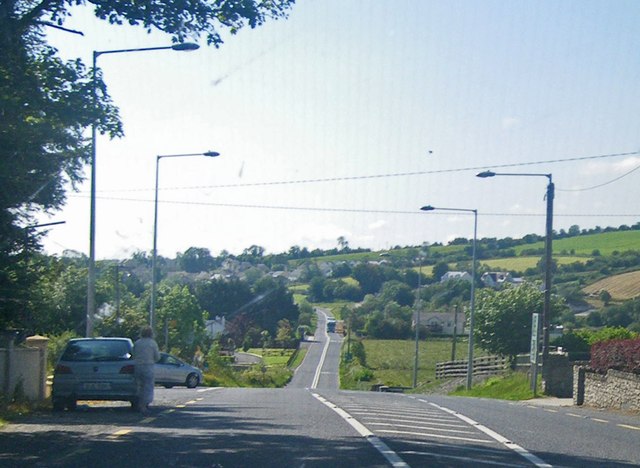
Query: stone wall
point(615, 389)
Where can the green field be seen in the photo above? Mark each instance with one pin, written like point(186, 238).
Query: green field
point(520, 264)
point(273, 356)
point(392, 361)
point(606, 243)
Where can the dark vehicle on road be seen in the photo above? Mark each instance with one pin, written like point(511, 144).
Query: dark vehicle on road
point(170, 371)
point(94, 369)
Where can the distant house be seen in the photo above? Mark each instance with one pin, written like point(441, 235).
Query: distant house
point(215, 327)
point(496, 279)
point(442, 322)
point(455, 275)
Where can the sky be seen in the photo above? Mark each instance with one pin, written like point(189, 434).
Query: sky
point(347, 117)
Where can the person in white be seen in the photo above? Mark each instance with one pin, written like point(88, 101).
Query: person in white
point(145, 355)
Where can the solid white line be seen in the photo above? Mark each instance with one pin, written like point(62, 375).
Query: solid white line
point(316, 377)
point(494, 435)
point(391, 456)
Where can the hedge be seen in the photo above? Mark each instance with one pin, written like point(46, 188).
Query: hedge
point(622, 355)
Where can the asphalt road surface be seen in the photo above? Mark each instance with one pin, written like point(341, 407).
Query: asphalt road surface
point(311, 423)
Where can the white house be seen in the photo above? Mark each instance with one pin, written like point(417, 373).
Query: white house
point(455, 275)
point(215, 327)
point(442, 322)
point(496, 279)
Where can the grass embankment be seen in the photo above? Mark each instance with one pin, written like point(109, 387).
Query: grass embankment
point(275, 370)
point(513, 386)
point(391, 362)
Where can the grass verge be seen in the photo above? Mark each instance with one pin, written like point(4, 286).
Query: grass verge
point(512, 386)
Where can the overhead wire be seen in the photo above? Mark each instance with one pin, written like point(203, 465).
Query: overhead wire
point(584, 189)
point(380, 176)
point(343, 210)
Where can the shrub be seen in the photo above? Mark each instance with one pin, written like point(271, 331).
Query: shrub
point(56, 345)
point(358, 352)
point(622, 355)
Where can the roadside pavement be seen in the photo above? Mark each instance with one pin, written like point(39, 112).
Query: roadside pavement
point(548, 401)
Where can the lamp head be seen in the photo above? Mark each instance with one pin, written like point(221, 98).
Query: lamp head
point(486, 174)
point(427, 208)
point(211, 154)
point(185, 46)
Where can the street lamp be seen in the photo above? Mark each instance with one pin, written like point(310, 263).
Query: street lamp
point(473, 284)
point(91, 282)
point(546, 311)
point(152, 309)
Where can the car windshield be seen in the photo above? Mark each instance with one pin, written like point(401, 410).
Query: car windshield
point(103, 350)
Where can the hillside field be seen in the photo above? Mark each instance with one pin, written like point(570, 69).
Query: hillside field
point(520, 264)
point(606, 243)
point(621, 287)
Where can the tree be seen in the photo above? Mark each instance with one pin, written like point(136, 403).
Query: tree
point(46, 104)
point(503, 318)
point(195, 260)
point(218, 297)
point(439, 269)
point(397, 292)
point(605, 297)
point(183, 318)
point(369, 276)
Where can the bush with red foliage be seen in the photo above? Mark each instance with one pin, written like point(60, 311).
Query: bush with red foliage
point(622, 355)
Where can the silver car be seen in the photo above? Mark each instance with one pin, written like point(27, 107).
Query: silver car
point(170, 371)
point(94, 369)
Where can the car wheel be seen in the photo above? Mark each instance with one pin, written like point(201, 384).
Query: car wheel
point(58, 404)
point(72, 404)
point(168, 386)
point(192, 380)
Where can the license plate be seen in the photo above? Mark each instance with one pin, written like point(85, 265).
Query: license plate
point(96, 386)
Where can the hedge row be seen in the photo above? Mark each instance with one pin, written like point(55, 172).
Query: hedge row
point(622, 355)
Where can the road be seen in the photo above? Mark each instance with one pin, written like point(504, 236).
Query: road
point(311, 423)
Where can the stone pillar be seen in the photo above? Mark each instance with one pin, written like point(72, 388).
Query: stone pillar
point(40, 342)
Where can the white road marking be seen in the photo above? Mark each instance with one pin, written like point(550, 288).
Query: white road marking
point(119, 433)
point(316, 377)
point(391, 456)
point(422, 421)
point(494, 435)
point(626, 426)
point(426, 427)
point(437, 436)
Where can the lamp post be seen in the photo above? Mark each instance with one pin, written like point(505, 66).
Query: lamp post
point(546, 311)
point(417, 337)
point(91, 275)
point(473, 284)
point(152, 309)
